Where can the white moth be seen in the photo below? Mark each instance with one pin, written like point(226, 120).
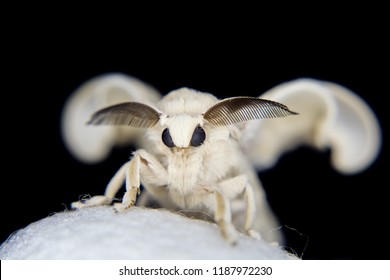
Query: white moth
point(191, 158)
point(201, 154)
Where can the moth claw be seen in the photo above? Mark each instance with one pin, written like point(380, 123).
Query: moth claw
point(254, 234)
point(121, 207)
point(228, 232)
point(97, 200)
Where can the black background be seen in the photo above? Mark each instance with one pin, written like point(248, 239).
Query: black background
point(335, 216)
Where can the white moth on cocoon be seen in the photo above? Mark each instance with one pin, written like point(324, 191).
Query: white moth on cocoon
point(140, 233)
point(201, 153)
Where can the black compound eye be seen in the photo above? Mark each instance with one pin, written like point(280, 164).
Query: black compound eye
point(167, 139)
point(198, 137)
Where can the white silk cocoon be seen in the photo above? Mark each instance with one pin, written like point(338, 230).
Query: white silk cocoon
point(140, 233)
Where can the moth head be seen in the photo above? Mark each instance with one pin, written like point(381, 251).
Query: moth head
point(183, 131)
point(186, 130)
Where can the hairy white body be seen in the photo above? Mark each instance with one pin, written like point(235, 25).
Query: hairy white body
point(214, 177)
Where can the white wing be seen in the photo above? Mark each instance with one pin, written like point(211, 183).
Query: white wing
point(91, 144)
point(330, 116)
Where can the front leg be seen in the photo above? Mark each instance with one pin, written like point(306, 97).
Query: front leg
point(223, 217)
point(147, 165)
point(142, 162)
point(229, 190)
point(112, 188)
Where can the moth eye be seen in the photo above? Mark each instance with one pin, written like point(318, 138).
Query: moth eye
point(167, 139)
point(198, 137)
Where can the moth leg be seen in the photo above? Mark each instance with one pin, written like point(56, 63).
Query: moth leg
point(223, 217)
point(151, 170)
point(250, 211)
point(233, 187)
point(112, 188)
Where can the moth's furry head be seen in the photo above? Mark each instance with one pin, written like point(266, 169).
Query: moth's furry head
point(186, 101)
point(182, 113)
